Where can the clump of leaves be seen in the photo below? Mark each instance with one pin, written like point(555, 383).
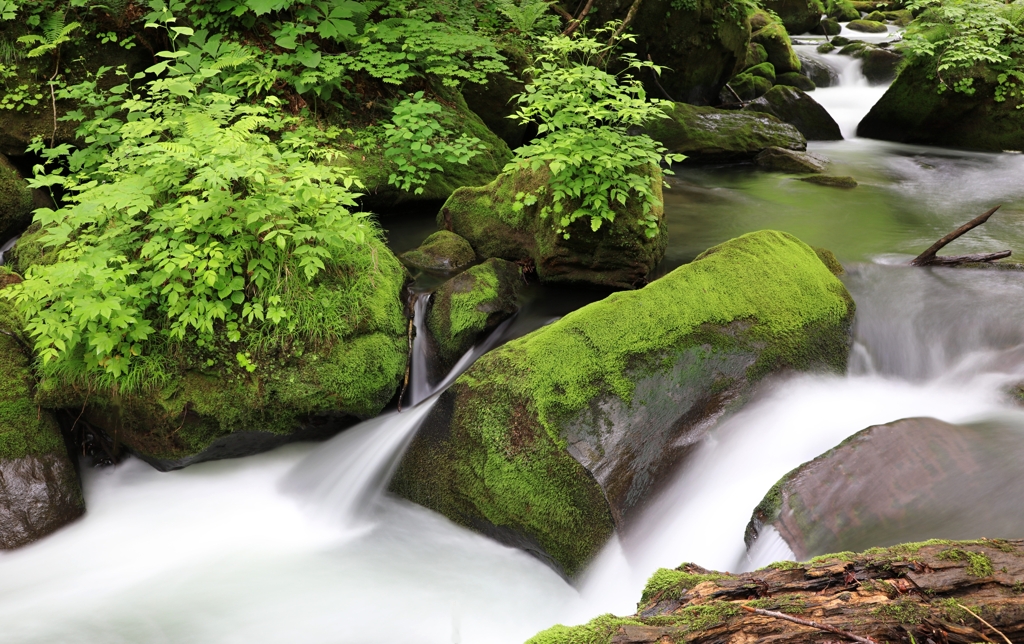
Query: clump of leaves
point(201, 219)
point(963, 38)
point(584, 114)
point(416, 139)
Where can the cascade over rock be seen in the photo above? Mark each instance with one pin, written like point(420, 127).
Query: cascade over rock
point(793, 106)
point(556, 439)
point(913, 111)
point(215, 410)
point(904, 481)
point(707, 134)
point(469, 305)
point(618, 255)
point(39, 487)
point(701, 44)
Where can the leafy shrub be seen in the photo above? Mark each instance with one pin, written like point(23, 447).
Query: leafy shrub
point(584, 114)
point(416, 139)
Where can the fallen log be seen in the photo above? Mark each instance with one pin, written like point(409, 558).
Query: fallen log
point(945, 592)
point(930, 257)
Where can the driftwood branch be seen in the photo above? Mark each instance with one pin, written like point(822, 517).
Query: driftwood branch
point(931, 258)
point(812, 624)
point(576, 22)
point(625, 23)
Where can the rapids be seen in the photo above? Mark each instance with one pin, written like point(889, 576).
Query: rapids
point(302, 545)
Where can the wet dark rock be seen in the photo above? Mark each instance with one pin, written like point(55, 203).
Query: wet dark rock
point(823, 48)
point(554, 440)
point(831, 181)
point(823, 75)
point(867, 26)
point(841, 10)
point(442, 252)
point(795, 107)
point(798, 16)
point(756, 55)
point(493, 101)
point(780, 160)
point(799, 81)
point(913, 111)
point(38, 494)
point(618, 255)
point(841, 41)
point(828, 27)
point(468, 306)
point(880, 65)
point(909, 480)
point(706, 134)
point(16, 200)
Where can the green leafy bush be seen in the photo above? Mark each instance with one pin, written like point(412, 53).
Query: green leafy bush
point(962, 39)
point(197, 221)
point(584, 115)
point(416, 140)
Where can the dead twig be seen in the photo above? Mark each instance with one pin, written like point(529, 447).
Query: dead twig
point(930, 257)
point(576, 22)
point(807, 622)
point(978, 617)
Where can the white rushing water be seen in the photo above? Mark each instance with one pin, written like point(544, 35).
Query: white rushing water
point(301, 544)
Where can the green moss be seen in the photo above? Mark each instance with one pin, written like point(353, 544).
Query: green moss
point(764, 70)
point(867, 26)
point(798, 16)
point(789, 604)
point(442, 251)
point(783, 565)
point(828, 258)
point(749, 86)
point(904, 611)
point(832, 557)
point(978, 563)
point(24, 428)
point(779, 47)
point(709, 133)
point(599, 630)
point(666, 583)
point(841, 10)
point(831, 181)
point(15, 198)
point(701, 617)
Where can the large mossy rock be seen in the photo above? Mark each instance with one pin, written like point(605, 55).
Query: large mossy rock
point(771, 35)
point(618, 255)
point(199, 411)
point(442, 252)
point(556, 439)
point(706, 134)
point(793, 106)
point(909, 480)
point(39, 487)
point(470, 304)
point(913, 111)
point(798, 16)
point(494, 101)
point(373, 168)
point(701, 43)
point(15, 200)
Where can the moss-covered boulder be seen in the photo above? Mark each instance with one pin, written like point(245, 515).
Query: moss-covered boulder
point(828, 27)
point(798, 16)
point(773, 37)
point(443, 252)
point(39, 487)
point(794, 79)
point(701, 43)
point(793, 106)
point(756, 55)
point(749, 86)
point(556, 439)
point(904, 481)
point(841, 10)
point(913, 110)
point(867, 26)
point(493, 101)
point(15, 199)
point(618, 255)
point(706, 134)
point(880, 64)
point(471, 304)
point(201, 404)
point(764, 70)
point(365, 155)
point(875, 16)
point(782, 160)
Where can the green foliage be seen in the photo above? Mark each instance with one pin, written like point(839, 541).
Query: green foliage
point(416, 140)
point(963, 38)
point(584, 115)
point(198, 219)
point(978, 563)
point(16, 95)
point(55, 33)
point(667, 583)
point(529, 16)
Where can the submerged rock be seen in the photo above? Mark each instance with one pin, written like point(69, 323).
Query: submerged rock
point(905, 481)
point(793, 106)
point(618, 255)
point(706, 134)
point(913, 111)
point(15, 199)
point(781, 160)
point(701, 43)
point(469, 305)
point(442, 252)
point(39, 487)
point(831, 181)
point(203, 410)
point(552, 441)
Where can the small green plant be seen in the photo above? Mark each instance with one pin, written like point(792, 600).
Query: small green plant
point(55, 33)
point(529, 16)
point(585, 114)
point(978, 563)
point(416, 139)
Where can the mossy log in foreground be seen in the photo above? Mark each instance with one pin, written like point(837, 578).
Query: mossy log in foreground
point(552, 441)
point(917, 592)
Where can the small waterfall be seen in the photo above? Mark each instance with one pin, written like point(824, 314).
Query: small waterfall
point(849, 100)
point(8, 245)
point(419, 374)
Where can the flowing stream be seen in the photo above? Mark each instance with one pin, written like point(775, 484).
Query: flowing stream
point(301, 544)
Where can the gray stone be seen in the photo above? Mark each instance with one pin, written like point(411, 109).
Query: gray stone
point(781, 160)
